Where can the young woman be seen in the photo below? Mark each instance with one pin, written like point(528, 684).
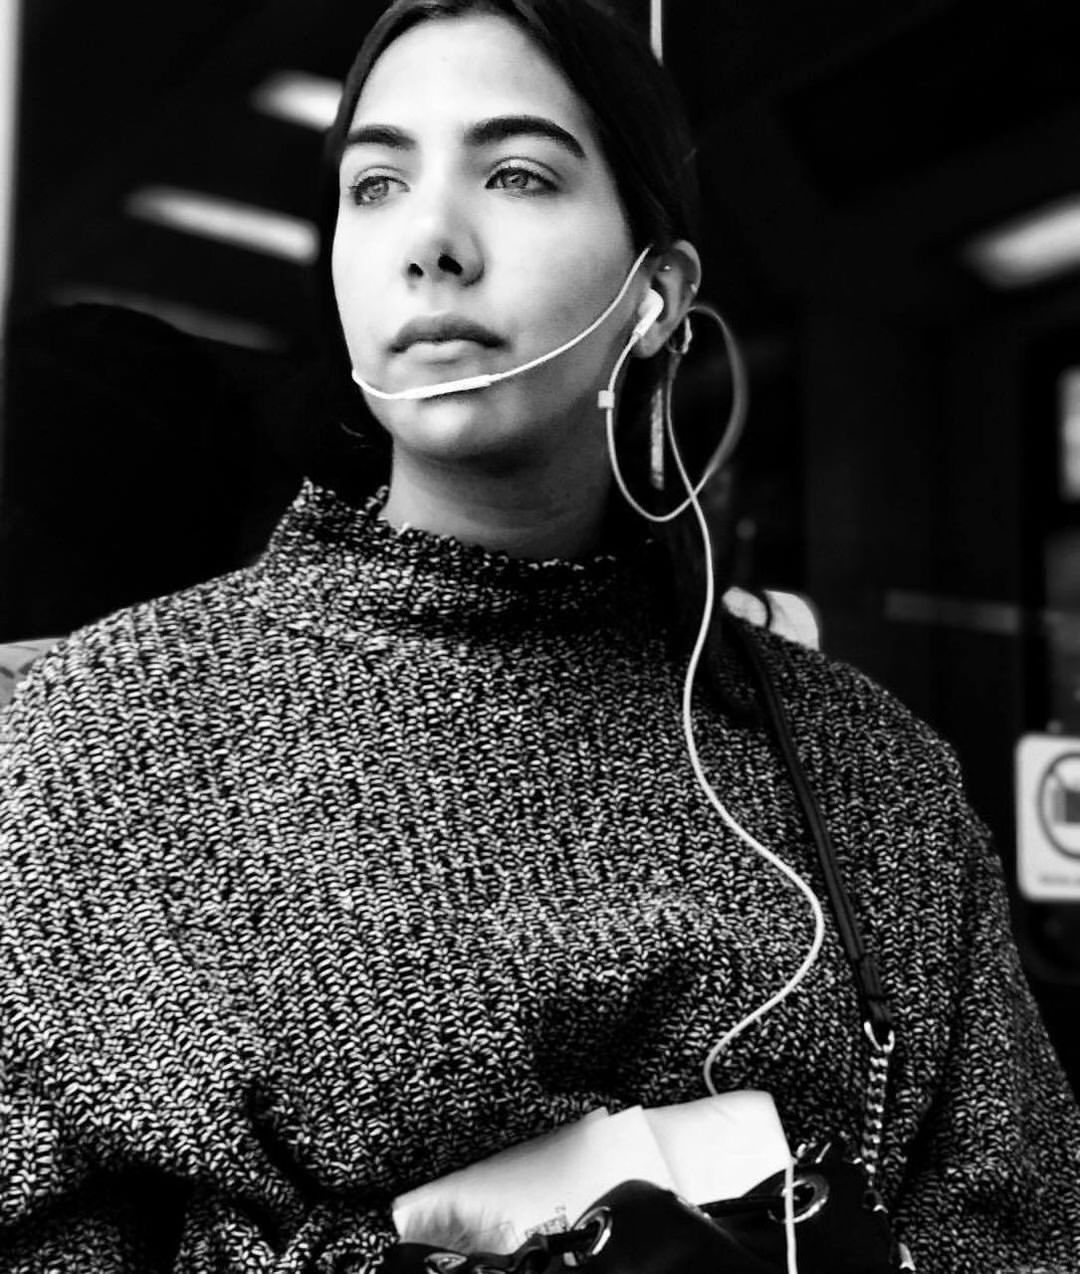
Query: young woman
point(336, 874)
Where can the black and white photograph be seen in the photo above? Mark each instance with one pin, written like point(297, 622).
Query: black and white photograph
point(539, 637)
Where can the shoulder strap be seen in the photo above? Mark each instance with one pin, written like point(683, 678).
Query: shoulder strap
point(875, 1005)
point(877, 1015)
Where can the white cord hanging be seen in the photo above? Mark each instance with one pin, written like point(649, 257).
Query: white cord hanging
point(728, 440)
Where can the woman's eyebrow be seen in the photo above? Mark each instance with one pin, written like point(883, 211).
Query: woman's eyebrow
point(501, 127)
point(380, 135)
point(485, 132)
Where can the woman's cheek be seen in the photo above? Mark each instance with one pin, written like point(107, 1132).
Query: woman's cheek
point(355, 317)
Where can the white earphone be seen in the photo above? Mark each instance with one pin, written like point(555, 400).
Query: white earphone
point(648, 312)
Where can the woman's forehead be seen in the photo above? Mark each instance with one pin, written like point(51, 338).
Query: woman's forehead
point(469, 67)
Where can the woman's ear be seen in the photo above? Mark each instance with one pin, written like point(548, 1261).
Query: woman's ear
point(676, 276)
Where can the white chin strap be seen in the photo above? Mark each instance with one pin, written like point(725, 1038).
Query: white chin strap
point(492, 378)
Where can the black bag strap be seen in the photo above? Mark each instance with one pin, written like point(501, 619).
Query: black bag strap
point(877, 1014)
point(875, 1004)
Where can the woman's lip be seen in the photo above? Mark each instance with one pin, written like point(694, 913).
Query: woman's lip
point(443, 329)
point(444, 351)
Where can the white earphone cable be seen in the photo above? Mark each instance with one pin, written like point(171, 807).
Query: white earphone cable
point(723, 451)
point(710, 792)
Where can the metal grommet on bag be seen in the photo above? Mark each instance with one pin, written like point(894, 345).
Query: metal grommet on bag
point(600, 1218)
point(809, 1194)
point(444, 1262)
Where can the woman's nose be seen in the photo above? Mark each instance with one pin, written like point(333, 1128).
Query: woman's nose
point(437, 262)
point(443, 248)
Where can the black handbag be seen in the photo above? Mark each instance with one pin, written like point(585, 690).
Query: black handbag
point(639, 1228)
point(840, 1224)
point(838, 1218)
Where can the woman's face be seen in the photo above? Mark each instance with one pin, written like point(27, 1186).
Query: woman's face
point(478, 227)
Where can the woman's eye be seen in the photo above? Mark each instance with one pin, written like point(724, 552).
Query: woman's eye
point(523, 179)
point(371, 189)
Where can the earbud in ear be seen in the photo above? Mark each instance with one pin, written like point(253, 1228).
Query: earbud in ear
point(649, 311)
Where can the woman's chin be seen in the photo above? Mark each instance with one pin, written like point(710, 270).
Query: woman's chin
point(457, 428)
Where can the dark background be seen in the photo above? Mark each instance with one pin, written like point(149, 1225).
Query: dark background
point(901, 464)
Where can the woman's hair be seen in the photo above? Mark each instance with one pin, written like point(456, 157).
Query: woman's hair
point(642, 129)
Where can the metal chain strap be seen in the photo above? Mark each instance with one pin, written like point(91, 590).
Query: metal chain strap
point(876, 1087)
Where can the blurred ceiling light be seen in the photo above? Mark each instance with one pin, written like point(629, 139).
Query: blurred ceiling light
point(186, 318)
point(311, 100)
point(9, 89)
point(1031, 248)
point(245, 226)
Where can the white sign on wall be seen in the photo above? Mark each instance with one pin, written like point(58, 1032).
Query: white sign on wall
point(1048, 817)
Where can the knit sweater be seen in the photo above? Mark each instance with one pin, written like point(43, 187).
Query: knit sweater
point(327, 877)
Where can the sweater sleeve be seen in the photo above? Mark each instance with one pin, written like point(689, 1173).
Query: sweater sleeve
point(106, 1165)
point(994, 1181)
point(52, 1216)
point(55, 1218)
point(118, 1231)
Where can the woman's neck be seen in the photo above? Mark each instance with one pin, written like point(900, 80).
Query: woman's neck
point(518, 513)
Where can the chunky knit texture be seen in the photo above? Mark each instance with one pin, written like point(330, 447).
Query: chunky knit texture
point(327, 877)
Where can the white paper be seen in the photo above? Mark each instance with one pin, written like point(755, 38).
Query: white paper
point(720, 1147)
point(709, 1149)
point(541, 1185)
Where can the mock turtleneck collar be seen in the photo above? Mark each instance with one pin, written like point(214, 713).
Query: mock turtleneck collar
point(332, 567)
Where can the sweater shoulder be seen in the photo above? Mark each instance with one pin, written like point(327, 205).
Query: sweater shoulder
point(191, 608)
point(842, 712)
point(892, 791)
point(124, 657)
